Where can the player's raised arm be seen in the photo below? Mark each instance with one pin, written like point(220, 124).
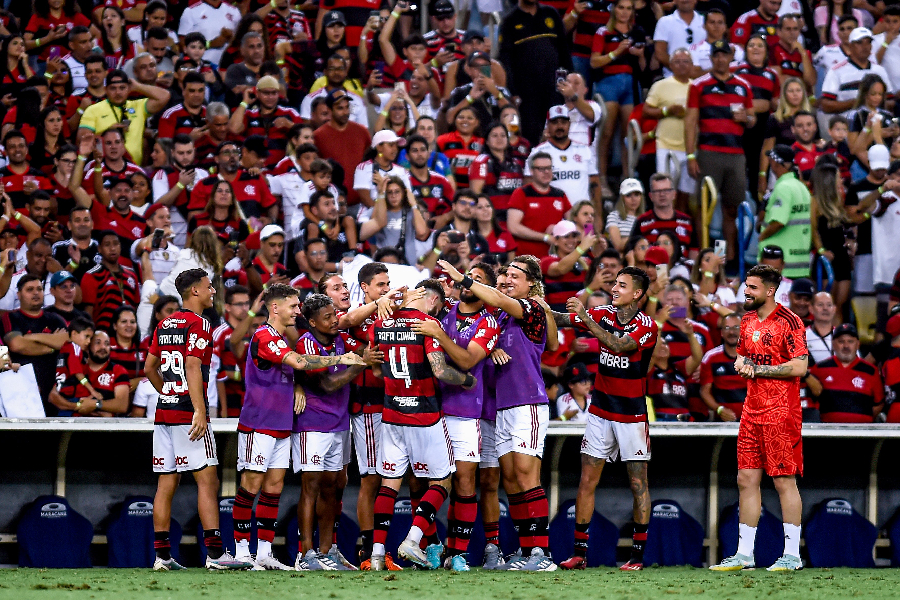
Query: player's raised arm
point(489, 295)
point(465, 358)
point(311, 362)
point(616, 344)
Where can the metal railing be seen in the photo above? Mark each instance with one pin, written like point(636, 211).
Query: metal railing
point(745, 234)
point(709, 198)
point(823, 267)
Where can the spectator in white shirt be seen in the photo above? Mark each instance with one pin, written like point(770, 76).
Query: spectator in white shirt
point(682, 29)
point(162, 251)
point(819, 335)
point(573, 405)
point(584, 114)
point(216, 20)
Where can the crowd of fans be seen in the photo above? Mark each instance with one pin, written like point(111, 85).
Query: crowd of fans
point(267, 142)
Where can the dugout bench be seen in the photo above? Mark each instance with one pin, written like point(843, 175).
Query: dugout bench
point(92, 461)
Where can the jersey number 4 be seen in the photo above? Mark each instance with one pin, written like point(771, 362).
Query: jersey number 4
point(173, 362)
point(401, 370)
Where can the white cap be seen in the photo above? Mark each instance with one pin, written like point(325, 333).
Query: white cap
point(564, 228)
point(558, 112)
point(879, 157)
point(270, 230)
point(630, 185)
point(860, 33)
point(385, 136)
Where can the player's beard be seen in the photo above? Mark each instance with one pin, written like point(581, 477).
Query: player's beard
point(467, 296)
point(753, 303)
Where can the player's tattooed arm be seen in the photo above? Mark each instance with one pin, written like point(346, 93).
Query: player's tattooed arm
point(616, 344)
point(306, 362)
point(332, 382)
point(446, 373)
point(796, 367)
point(561, 319)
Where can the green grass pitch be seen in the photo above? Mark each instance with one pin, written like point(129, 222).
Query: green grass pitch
point(593, 584)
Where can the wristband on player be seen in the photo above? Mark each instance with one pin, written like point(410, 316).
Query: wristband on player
point(99, 404)
point(434, 63)
point(612, 56)
point(324, 227)
point(78, 405)
point(546, 238)
point(37, 43)
point(467, 282)
point(709, 274)
point(651, 135)
point(384, 113)
point(244, 105)
point(82, 158)
point(880, 189)
point(653, 299)
point(17, 216)
point(885, 45)
point(436, 251)
point(762, 173)
point(714, 306)
point(2, 271)
point(719, 410)
point(280, 62)
point(469, 382)
point(273, 4)
point(49, 76)
point(80, 111)
point(395, 14)
point(867, 216)
point(867, 130)
point(251, 314)
point(98, 169)
point(469, 99)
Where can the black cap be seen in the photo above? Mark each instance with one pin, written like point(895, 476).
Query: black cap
point(112, 182)
point(117, 76)
point(257, 144)
point(803, 287)
point(845, 329)
point(477, 56)
point(720, 46)
point(773, 253)
point(782, 153)
point(472, 34)
point(442, 8)
point(332, 17)
point(335, 96)
point(576, 372)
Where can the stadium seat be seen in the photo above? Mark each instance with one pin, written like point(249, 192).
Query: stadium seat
point(769, 535)
point(509, 540)
point(52, 535)
point(348, 533)
point(864, 313)
point(893, 531)
point(400, 525)
point(838, 536)
point(674, 538)
point(130, 536)
point(602, 542)
point(226, 528)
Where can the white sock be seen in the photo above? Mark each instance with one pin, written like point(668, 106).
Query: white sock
point(746, 539)
point(792, 539)
point(263, 548)
point(415, 534)
point(241, 548)
point(378, 549)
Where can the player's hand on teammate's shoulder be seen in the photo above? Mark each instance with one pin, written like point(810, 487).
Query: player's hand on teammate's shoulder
point(500, 357)
point(428, 327)
point(373, 356)
point(352, 359)
point(574, 305)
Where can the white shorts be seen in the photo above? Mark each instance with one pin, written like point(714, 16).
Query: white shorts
point(484, 6)
point(522, 429)
point(173, 450)
point(260, 452)
point(317, 451)
point(427, 450)
point(366, 437)
point(609, 440)
point(664, 164)
point(465, 435)
point(489, 456)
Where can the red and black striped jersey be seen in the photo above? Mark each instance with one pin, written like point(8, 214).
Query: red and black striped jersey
point(461, 154)
point(668, 389)
point(650, 225)
point(559, 5)
point(179, 119)
point(410, 388)
point(69, 362)
point(304, 284)
point(41, 26)
point(107, 291)
point(763, 81)
point(402, 70)
point(434, 41)
point(367, 393)
point(606, 41)
point(752, 22)
point(714, 99)
point(107, 378)
point(73, 103)
point(131, 359)
point(501, 178)
point(14, 184)
point(805, 158)
point(728, 388)
point(589, 21)
point(283, 28)
point(107, 172)
point(251, 191)
point(621, 382)
point(301, 66)
point(166, 178)
point(557, 290)
point(849, 393)
point(356, 13)
point(182, 335)
point(257, 123)
point(790, 61)
point(265, 274)
point(230, 368)
point(890, 372)
point(222, 228)
point(436, 192)
point(520, 151)
point(679, 346)
point(129, 227)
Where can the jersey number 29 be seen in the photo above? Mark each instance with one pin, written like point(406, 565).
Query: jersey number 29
point(173, 362)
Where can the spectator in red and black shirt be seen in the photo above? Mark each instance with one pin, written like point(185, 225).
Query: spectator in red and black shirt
point(19, 178)
point(495, 172)
point(189, 117)
point(265, 268)
point(70, 363)
point(720, 107)
point(109, 285)
point(788, 57)
point(667, 380)
point(48, 27)
point(110, 380)
point(565, 269)
point(663, 216)
point(721, 388)
point(763, 20)
point(113, 165)
point(221, 213)
point(536, 207)
point(427, 186)
point(806, 150)
point(584, 19)
point(286, 24)
point(462, 145)
point(84, 98)
point(415, 54)
point(849, 388)
point(232, 355)
point(267, 119)
point(125, 345)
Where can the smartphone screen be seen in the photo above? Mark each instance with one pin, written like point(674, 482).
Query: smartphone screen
point(485, 70)
point(678, 312)
point(721, 248)
point(588, 228)
point(662, 271)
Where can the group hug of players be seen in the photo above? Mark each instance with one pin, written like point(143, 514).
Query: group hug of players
point(445, 392)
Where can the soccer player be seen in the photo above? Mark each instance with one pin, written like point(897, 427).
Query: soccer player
point(178, 367)
point(320, 438)
point(264, 429)
point(617, 425)
point(522, 405)
point(772, 356)
point(413, 432)
point(468, 335)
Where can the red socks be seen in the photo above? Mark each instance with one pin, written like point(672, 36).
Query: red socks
point(242, 513)
point(461, 521)
point(266, 515)
point(384, 512)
